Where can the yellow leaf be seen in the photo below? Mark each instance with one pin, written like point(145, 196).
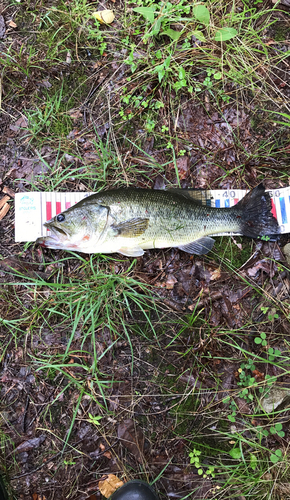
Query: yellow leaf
point(109, 485)
point(104, 16)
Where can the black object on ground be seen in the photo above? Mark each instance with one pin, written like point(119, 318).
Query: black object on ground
point(134, 490)
point(3, 492)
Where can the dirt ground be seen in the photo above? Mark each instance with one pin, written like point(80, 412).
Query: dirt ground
point(169, 373)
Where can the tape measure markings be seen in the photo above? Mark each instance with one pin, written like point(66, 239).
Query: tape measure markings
point(283, 210)
point(58, 207)
point(34, 208)
point(48, 210)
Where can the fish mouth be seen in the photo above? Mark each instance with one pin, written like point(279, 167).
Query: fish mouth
point(56, 231)
point(57, 239)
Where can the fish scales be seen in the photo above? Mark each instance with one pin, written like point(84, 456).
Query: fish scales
point(173, 219)
point(132, 220)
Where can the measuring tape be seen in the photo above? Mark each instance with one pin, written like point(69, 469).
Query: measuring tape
point(34, 208)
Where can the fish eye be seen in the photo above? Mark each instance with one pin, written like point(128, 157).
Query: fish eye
point(60, 218)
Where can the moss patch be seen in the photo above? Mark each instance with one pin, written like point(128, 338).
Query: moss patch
point(230, 253)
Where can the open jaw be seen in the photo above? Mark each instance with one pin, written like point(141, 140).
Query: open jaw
point(56, 239)
point(56, 231)
point(59, 239)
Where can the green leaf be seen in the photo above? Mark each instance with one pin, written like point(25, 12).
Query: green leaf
point(263, 335)
point(279, 427)
point(201, 13)
point(253, 461)
point(274, 459)
point(156, 27)
point(174, 35)
point(278, 453)
point(147, 12)
point(94, 420)
point(235, 453)
point(258, 340)
point(199, 35)
point(181, 73)
point(218, 76)
point(224, 34)
point(167, 62)
point(161, 74)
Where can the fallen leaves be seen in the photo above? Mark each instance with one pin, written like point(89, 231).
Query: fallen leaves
point(132, 438)
point(18, 265)
point(2, 27)
point(170, 282)
point(7, 190)
point(31, 444)
point(104, 16)
point(110, 484)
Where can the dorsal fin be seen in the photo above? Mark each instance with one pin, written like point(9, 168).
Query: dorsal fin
point(199, 196)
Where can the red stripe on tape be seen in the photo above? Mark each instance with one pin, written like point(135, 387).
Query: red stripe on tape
point(67, 204)
point(273, 208)
point(58, 207)
point(236, 200)
point(48, 210)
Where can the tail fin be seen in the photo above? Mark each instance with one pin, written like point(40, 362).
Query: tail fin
point(257, 219)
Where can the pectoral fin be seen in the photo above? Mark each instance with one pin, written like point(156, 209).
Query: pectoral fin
point(131, 252)
point(131, 228)
point(199, 247)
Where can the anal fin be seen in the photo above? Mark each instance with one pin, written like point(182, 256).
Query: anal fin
point(198, 247)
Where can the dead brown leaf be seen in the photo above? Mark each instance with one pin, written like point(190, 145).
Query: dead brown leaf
point(182, 164)
point(259, 376)
point(132, 438)
point(3, 201)
point(11, 24)
point(15, 263)
point(8, 191)
point(2, 27)
point(31, 444)
point(110, 484)
point(19, 125)
point(216, 274)
point(170, 282)
point(267, 266)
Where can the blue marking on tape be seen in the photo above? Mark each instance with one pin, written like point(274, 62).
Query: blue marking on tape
point(227, 203)
point(217, 203)
point(208, 202)
point(283, 210)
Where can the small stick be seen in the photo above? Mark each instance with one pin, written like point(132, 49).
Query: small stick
point(4, 210)
point(3, 201)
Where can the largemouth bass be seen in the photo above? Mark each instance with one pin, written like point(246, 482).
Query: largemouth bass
point(131, 220)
